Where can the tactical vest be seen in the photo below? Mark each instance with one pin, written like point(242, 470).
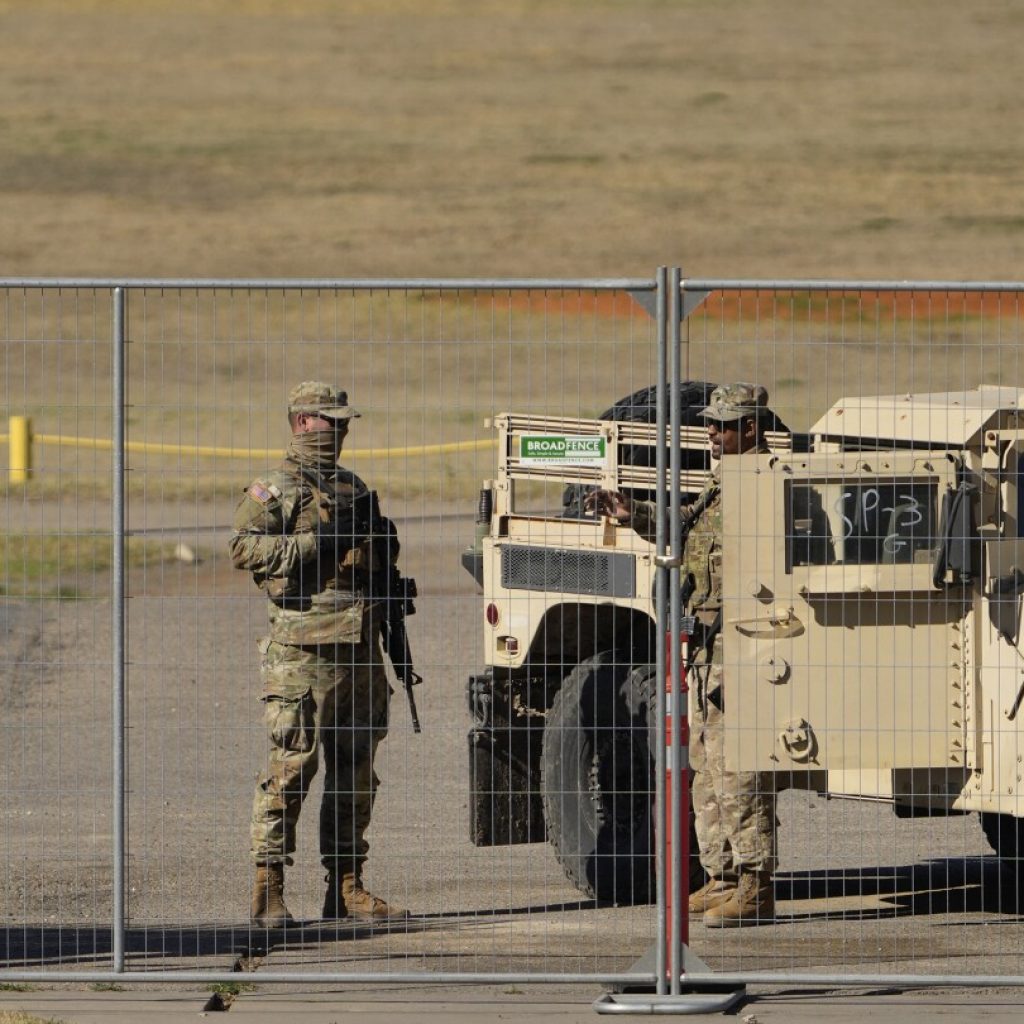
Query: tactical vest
point(702, 555)
point(326, 601)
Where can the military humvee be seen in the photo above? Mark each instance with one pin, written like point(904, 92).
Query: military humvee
point(873, 584)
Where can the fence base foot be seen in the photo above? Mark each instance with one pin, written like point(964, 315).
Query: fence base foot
point(685, 1002)
point(694, 997)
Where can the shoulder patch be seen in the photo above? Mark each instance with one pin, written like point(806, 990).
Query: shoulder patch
point(263, 492)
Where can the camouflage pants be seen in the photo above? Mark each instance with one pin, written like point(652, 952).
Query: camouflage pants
point(329, 698)
point(734, 812)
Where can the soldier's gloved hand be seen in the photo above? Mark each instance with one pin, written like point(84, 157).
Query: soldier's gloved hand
point(609, 503)
point(336, 536)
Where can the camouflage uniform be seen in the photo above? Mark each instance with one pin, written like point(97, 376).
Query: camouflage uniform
point(734, 812)
point(312, 537)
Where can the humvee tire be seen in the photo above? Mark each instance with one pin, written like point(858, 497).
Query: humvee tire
point(597, 775)
point(1005, 834)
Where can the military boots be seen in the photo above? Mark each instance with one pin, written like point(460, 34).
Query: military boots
point(714, 893)
point(346, 897)
point(268, 908)
point(752, 903)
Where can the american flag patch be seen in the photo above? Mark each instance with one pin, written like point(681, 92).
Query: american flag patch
point(261, 492)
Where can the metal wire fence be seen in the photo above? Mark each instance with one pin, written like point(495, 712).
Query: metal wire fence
point(522, 829)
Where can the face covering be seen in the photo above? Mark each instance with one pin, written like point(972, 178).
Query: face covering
point(318, 448)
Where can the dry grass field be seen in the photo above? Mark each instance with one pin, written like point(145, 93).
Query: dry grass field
point(425, 138)
point(442, 138)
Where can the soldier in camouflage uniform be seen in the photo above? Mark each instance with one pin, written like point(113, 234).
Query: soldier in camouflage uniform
point(312, 536)
point(734, 812)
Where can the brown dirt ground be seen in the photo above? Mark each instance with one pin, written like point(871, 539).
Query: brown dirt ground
point(781, 304)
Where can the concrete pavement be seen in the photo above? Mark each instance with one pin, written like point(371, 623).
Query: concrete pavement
point(513, 1003)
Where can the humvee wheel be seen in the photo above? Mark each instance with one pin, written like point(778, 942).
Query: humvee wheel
point(597, 785)
point(1005, 834)
point(598, 779)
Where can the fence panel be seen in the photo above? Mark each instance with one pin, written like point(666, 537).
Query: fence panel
point(539, 697)
point(56, 632)
point(860, 657)
point(207, 373)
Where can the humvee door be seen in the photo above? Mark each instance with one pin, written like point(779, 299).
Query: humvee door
point(839, 651)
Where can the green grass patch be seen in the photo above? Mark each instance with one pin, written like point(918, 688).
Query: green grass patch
point(21, 1017)
point(44, 565)
point(879, 223)
point(231, 988)
point(985, 223)
point(583, 159)
point(165, 487)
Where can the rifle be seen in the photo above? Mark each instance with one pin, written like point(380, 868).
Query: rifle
point(396, 590)
point(399, 591)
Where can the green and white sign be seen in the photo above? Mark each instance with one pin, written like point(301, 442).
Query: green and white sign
point(562, 451)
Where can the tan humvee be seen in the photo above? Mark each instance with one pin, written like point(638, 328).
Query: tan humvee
point(871, 624)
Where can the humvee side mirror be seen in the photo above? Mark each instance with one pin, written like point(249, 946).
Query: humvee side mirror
point(958, 549)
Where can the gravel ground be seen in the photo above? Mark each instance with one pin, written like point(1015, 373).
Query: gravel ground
point(859, 892)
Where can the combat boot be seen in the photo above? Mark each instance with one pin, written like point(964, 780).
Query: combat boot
point(715, 892)
point(752, 903)
point(346, 897)
point(268, 908)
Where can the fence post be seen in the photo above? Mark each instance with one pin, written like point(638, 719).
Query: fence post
point(677, 752)
point(673, 959)
point(118, 686)
point(664, 961)
point(19, 440)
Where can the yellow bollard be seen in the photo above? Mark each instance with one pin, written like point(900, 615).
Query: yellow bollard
point(20, 442)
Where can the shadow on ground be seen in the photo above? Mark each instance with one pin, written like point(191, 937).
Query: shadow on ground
point(943, 886)
point(35, 945)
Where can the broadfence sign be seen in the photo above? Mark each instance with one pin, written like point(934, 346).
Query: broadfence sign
point(566, 451)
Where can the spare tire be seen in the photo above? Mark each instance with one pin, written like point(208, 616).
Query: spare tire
point(641, 407)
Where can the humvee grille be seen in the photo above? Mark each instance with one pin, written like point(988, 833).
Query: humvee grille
point(570, 572)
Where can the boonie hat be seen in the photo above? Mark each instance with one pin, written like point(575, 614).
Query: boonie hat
point(730, 402)
point(314, 396)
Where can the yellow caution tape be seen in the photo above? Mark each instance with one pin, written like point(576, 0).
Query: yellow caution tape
point(210, 451)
